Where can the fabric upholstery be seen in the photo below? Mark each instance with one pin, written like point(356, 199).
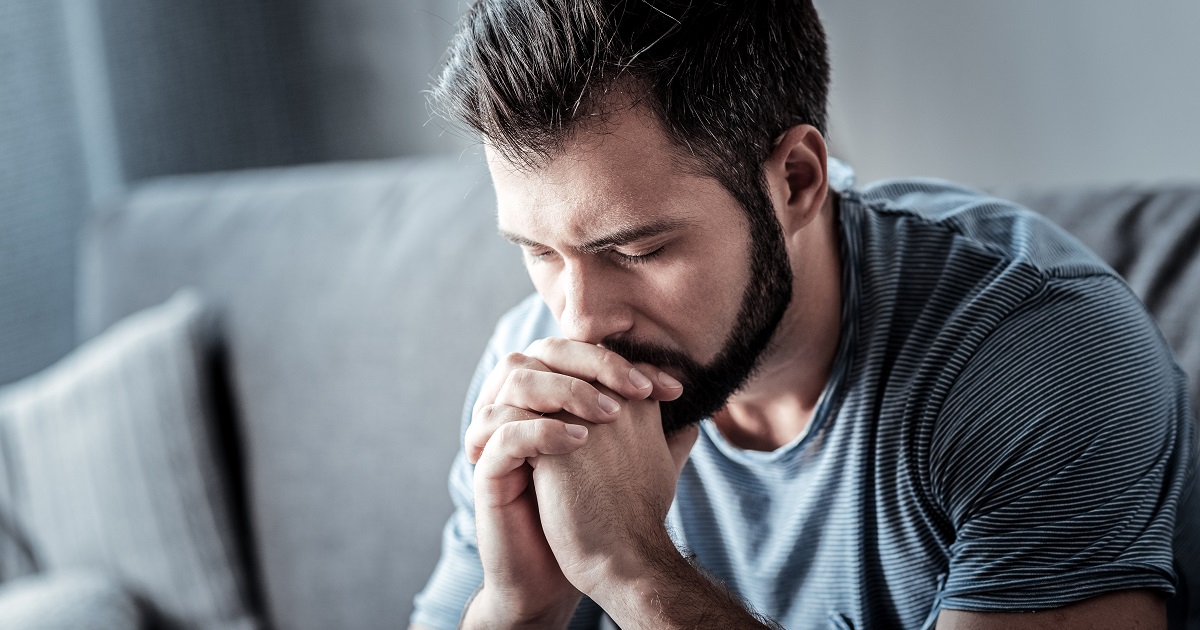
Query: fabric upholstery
point(110, 464)
point(69, 600)
point(356, 299)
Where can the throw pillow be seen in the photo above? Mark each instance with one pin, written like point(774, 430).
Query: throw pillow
point(110, 463)
point(68, 600)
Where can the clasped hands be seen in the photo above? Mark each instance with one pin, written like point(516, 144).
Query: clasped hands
point(573, 479)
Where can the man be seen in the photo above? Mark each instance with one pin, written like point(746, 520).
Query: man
point(749, 395)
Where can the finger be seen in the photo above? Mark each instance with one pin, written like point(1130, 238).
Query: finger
point(495, 380)
point(680, 444)
point(486, 421)
point(666, 387)
point(550, 392)
point(515, 442)
point(590, 362)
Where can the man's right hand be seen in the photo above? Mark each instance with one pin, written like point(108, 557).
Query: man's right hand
point(531, 405)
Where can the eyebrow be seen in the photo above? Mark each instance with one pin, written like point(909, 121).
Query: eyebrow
point(620, 236)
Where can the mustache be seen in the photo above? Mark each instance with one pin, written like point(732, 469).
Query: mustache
point(655, 354)
point(704, 388)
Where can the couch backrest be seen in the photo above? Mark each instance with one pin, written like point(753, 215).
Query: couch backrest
point(356, 300)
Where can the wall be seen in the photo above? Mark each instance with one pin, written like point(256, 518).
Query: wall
point(989, 93)
point(1069, 92)
point(42, 187)
point(96, 94)
point(371, 62)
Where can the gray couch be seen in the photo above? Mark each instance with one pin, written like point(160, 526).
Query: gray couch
point(354, 302)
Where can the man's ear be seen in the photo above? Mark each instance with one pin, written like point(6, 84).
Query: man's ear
point(797, 176)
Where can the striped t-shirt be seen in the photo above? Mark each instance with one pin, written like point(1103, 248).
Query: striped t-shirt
point(1004, 429)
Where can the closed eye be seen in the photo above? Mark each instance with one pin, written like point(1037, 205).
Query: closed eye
point(637, 259)
point(537, 255)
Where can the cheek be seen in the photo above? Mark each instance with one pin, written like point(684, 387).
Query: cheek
point(698, 300)
point(689, 302)
point(544, 283)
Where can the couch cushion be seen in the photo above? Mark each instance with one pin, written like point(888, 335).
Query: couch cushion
point(1149, 235)
point(357, 299)
point(109, 464)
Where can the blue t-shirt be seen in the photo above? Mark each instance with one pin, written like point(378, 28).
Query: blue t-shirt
point(1004, 429)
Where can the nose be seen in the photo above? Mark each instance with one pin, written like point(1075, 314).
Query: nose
point(594, 305)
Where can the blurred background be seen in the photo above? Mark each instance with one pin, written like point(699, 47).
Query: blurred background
point(98, 94)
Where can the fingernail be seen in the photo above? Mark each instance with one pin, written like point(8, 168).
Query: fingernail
point(669, 381)
point(638, 379)
point(576, 431)
point(608, 405)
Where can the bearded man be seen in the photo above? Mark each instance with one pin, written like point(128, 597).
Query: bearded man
point(748, 394)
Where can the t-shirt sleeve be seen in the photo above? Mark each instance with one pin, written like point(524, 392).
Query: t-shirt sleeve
point(1060, 453)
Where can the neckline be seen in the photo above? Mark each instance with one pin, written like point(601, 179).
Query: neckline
point(832, 395)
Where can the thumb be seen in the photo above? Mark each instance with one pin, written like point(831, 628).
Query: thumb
point(680, 444)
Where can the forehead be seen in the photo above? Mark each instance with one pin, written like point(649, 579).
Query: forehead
point(625, 171)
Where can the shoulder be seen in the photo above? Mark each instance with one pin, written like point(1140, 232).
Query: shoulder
point(916, 214)
point(939, 268)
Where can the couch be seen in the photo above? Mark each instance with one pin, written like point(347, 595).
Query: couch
point(351, 303)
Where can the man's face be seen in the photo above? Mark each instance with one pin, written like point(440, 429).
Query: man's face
point(634, 252)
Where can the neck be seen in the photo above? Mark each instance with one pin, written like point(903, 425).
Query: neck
point(778, 403)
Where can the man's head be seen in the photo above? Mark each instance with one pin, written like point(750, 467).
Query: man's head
point(603, 115)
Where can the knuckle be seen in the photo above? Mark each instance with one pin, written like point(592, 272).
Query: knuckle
point(543, 433)
point(536, 435)
point(577, 389)
point(614, 362)
point(552, 345)
point(483, 415)
point(519, 378)
point(513, 360)
point(474, 442)
point(504, 433)
point(488, 425)
point(537, 348)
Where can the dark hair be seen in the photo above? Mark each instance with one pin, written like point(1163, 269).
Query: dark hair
point(724, 77)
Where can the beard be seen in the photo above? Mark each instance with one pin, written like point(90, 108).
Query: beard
point(707, 387)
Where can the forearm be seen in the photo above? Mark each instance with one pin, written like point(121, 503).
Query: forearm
point(668, 591)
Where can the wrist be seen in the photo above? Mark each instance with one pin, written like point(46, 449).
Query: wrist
point(663, 590)
point(634, 582)
point(489, 610)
